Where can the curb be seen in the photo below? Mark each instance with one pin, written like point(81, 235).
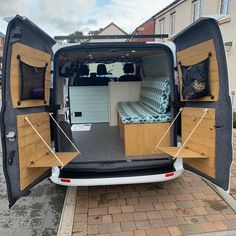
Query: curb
point(223, 194)
point(67, 216)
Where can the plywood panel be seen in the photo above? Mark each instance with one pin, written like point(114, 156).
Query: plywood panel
point(31, 148)
point(203, 140)
point(196, 54)
point(30, 56)
point(34, 156)
point(184, 153)
point(141, 139)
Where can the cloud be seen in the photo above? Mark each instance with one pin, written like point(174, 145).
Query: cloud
point(59, 17)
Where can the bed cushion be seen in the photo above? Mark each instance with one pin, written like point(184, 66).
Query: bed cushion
point(155, 94)
point(139, 113)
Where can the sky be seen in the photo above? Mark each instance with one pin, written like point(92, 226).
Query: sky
point(60, 17)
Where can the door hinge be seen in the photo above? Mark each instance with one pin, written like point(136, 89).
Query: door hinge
point(11, 136)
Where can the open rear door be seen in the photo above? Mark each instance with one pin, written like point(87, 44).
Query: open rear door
point(25, 121)
point(206, 120)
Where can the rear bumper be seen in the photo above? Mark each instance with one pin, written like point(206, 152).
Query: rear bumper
point(160, 177)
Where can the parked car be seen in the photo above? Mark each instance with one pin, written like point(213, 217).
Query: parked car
point(108, 132)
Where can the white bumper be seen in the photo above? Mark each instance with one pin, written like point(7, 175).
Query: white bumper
point(117, 180)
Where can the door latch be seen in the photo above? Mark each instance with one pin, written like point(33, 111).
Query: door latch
point(11, 136)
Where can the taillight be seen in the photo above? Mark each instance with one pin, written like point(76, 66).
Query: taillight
point(65, 180)
point(169, 174)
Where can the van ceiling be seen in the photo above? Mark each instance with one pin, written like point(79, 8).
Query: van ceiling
point(108, 55)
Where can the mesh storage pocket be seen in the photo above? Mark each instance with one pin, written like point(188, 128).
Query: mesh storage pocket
point(32, 81)
point(195, 80)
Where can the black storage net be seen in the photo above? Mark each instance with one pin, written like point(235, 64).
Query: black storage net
point(32, 81)
point(195, 80)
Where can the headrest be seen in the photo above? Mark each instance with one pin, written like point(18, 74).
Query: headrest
point(128, 68)
point(83, 70)
point(101, 69)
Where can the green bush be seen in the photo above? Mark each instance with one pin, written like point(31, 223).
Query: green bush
point(234, 120)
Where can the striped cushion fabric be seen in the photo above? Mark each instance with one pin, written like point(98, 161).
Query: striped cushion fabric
point(155, 94)
point(138, 113)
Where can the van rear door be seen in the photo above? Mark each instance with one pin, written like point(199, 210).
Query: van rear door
point(210, 116)
point(25, 120)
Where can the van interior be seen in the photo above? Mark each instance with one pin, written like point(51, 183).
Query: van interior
point(116, 102)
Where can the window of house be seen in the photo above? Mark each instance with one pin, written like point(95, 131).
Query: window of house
point(172, 23)
point(225, 7)
point(162, 26)
point(196, 9)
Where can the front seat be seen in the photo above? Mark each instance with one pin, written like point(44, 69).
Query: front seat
point(101, 70)
point(83, 74)
point(129, 73)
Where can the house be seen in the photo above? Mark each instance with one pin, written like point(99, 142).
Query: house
point(181, 13)
point(111, 29)
point(148, 27)
point(2, 38)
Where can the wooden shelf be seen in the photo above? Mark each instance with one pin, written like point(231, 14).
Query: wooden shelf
point(50, 160)
point(184, 153)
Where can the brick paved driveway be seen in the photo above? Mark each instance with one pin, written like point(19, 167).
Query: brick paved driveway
point(183, 206)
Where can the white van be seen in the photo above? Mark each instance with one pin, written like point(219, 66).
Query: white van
point(117, 112)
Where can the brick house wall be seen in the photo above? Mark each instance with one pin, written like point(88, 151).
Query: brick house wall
point(148, 27)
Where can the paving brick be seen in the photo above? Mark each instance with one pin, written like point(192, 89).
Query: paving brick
point(200, 211)
point(114, 210)
point(230, 217)
point(128, 226)
point(215, 217)
point(140, 216)
point(132, 201)
point(190, 229)
point(185, 204)
point(157, 223)
point(153, 215)
point(128, 208)
point(158, 206)
point(123, 217)
point(109, 228)
point(92, 229)
point(144, 207)
point(169, 205)
point(158, 231)
point(94, 219)
point(121, 202)
point(80, 217)
point(174, 231)
point(128, 233)
point(196, 219)
point(230, 224)
point(175, 221)
point(143, 224)
point(148, 200)
point(147, 193)
point(184, 197)
point(106, 219)
point(140, 232)
point(209, 227)
point(166, 198)
point(167, 213)
point(98, 211)
point(80, 227)
point(79, 209)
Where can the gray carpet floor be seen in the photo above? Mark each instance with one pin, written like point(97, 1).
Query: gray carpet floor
point(102, 143)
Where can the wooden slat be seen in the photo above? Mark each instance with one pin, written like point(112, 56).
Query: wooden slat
point(50, 160)
point(30, 56)
point(184, 153)
point(203, 139)
point(196, 54)
point(141, 139)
